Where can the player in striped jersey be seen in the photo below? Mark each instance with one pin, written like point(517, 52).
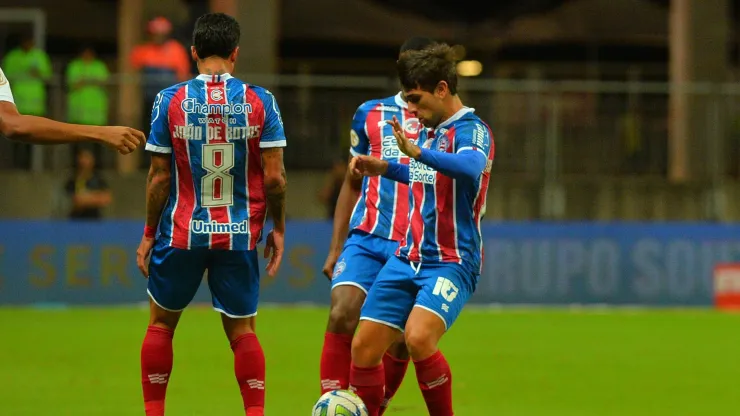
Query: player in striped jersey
point(378, 221)
point(423, 290)
point(217, 167)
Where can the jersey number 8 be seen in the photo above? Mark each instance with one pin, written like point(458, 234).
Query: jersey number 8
point(217, 186)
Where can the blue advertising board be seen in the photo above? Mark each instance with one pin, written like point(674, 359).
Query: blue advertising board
point(532, 263)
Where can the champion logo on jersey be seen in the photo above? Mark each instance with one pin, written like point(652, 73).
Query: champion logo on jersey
point(217, 95)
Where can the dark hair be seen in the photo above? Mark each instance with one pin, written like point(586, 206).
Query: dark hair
point(416, 43)
point(425, 68)
point(215, 34)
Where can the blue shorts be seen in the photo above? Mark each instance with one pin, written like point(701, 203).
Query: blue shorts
point(233, 278)
point(442, 289)
point(362, 258)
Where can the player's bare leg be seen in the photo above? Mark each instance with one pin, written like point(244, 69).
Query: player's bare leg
point(157, 357)
point(424, 329)
point(249, 362)
point(367, 376)
point(336, 355)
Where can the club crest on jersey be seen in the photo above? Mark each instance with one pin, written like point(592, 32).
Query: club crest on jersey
point(442, 144)
point(411, 125)
point(217, 95)
point(3, 80)
point(339, 268)
point(354, 139)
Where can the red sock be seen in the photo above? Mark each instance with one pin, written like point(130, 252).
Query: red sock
point(336, 359)
point(395, 370)
point(156, 366)
point(369, 384)
point(249, 367)
point(435, 381)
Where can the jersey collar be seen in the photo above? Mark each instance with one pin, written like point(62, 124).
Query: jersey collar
point(399, 100)
point(210, 78)
point(457, 116)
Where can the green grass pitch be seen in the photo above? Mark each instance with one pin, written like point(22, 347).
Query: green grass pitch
point(505, 363)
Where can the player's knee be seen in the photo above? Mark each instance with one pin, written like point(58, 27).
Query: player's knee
point(420, 342)
point(363, 350)
point(163, 318)
point(236, 327)
point(343, 318)
point(398, 350)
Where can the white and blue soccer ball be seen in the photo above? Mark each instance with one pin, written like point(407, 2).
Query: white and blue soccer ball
point(339, 403)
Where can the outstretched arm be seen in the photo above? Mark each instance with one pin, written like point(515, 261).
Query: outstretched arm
point(40, 130)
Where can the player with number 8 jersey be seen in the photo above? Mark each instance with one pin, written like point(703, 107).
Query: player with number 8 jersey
point(216, 126)
point(217, 168)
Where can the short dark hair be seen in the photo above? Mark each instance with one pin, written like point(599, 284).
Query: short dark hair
point(425, 68)
point(216, 34)
point(416, 43)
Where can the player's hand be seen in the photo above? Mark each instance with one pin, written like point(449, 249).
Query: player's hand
point(123, 139)
point(142, 255)
point(275, 246)
point(367, 166)
point(331, 261)
point(405, 145)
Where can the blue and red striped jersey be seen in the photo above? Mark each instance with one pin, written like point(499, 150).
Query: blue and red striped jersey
point(382, 208)
point(445, 213)
point(215, 127)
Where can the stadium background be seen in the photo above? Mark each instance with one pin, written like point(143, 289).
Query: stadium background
point(615, 186)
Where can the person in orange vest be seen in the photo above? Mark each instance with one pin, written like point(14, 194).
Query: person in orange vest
point(162, 61)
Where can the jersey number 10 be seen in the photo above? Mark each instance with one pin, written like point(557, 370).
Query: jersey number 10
point(217, 186)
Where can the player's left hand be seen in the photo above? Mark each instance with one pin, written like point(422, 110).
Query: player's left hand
point(142, 255)
point(405, 145)
point(274, 246)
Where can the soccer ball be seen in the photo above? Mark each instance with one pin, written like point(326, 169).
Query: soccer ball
point(339, 403)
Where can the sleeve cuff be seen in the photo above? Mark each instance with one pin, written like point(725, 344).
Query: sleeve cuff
point(478, 149)
point(158, 149)
point(274, 143)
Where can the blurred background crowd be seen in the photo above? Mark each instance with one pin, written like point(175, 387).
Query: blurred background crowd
point(601, 109)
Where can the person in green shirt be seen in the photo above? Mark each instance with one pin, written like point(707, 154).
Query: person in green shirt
point(29, 68)
point(87, 99)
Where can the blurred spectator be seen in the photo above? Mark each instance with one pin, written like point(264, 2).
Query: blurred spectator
point(334, 180)
point(28, 68)
point(88, 97)
point(162, 62)
point(88, 191)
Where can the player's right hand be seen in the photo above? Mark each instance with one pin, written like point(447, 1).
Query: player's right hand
point(123, 139)
point(367, 166)
point(331, 261)
point(142, 255)
point(274, 247)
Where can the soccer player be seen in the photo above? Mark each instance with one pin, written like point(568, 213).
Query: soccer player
point(217, 167)
point(376, 211)
point(40, 130)
point(422, 290)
